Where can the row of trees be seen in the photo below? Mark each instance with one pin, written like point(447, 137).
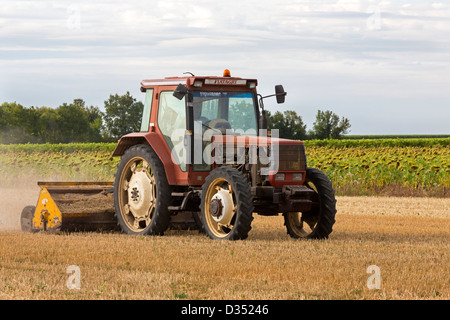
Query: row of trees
point(77, 122)
point(74, 122)
point(327, 125)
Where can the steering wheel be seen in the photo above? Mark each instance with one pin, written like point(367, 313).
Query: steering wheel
point(221, 124)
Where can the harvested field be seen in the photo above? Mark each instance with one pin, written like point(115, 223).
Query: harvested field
point(407, 238)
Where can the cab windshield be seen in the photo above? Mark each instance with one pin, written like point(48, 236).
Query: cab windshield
point(228, 112)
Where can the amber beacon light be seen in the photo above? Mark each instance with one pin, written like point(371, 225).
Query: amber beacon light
point(226, 73)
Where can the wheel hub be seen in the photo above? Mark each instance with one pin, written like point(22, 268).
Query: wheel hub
point(221, 207)
point(135, 194)
point(216, 208)
point(140, 194)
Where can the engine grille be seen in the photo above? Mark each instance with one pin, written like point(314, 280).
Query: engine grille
point(291, 158)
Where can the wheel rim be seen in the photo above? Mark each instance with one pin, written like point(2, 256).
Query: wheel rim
point(220, 208)
point(137, 194)
point(303, 224)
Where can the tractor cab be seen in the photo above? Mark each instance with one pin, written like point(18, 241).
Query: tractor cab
point(206, 121)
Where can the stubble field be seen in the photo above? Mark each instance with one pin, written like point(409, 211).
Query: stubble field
point(405, 238)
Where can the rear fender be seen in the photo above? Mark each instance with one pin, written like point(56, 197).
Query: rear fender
point(173, 172)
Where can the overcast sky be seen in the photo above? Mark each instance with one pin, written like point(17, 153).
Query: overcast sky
point(385, 65)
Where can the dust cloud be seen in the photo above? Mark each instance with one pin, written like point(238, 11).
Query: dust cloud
point(13, 198)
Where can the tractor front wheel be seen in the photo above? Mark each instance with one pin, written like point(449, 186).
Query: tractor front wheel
point(318, 222)
point(227, 205)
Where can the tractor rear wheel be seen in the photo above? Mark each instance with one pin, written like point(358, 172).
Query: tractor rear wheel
point(227, 205)
point(141, 192)
point(318, 222)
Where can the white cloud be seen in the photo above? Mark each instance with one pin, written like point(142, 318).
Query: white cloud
point(326, 47)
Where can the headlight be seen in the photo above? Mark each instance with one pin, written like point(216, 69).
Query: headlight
point(279, 177)
point(297, 177)
point(198, 83)
point(251, 84)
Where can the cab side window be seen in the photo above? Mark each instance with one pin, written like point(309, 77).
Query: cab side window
point(172, 124)
point(147, 110)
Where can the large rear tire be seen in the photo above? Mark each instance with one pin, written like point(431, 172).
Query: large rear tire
point(141, 192)
point(227, 205)
point(318, 222)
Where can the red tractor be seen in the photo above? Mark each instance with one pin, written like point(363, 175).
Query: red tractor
point(202, 159)
point(204, 152)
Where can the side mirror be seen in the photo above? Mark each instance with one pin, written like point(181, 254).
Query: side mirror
point(280, 93)
point(180, 92)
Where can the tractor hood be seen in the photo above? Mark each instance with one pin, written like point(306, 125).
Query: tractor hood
point(285, 156)
point(253, 140)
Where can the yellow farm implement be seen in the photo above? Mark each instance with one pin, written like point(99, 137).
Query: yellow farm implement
point(71, 206)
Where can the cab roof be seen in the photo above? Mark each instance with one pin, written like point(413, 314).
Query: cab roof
point(200, 81)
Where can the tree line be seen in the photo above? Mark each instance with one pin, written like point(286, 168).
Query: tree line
point(78, 122)
point(327, 125)
point(70, 122)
